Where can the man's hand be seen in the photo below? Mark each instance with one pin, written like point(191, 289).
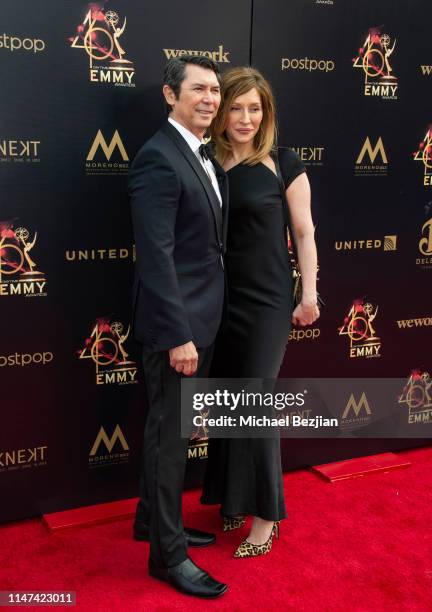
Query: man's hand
point(184, 358)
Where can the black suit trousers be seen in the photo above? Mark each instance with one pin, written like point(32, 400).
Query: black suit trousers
point(165, 456)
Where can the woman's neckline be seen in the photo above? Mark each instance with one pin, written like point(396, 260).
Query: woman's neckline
point(260, 163)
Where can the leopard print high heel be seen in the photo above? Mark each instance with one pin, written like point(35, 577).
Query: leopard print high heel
point(230, 523)
point(246, 549)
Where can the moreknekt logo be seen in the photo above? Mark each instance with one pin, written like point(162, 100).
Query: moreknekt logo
point(23, 458)
point(310, 156)
point(19, 151)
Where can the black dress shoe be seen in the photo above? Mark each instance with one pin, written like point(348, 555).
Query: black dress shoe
point(188, 578)
point(193, 537)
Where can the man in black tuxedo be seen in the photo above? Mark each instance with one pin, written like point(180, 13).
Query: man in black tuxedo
point(178, 200)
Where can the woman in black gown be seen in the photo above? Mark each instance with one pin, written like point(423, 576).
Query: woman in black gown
point(244, 475)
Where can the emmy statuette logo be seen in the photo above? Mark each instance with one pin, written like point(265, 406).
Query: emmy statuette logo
point(424, 155)
point(374, 59)
point(99, 36)
point(417, 396)
point(18, 270)
point(105, 347)
point(358, 327)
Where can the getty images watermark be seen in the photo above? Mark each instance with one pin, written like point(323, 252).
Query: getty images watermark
point(327, 408)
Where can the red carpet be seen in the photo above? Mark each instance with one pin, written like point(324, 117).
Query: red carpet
point(358, 545)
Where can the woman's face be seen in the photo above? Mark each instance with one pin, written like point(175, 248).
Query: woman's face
point(244, 117)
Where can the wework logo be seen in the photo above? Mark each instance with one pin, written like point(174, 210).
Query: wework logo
point(220, 55)
point(423, 322)
point(426, 70)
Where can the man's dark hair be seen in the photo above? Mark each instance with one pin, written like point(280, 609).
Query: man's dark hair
point(175, 71)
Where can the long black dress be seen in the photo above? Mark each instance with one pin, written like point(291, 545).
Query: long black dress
point(245, 475)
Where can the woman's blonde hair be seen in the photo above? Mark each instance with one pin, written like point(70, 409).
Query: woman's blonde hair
point(235, 83)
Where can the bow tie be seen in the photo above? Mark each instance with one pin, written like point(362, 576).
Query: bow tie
point(205, 151)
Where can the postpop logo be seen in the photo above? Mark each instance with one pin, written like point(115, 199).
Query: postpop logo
point(25, 359)
point(14, 43)
point(307, 64)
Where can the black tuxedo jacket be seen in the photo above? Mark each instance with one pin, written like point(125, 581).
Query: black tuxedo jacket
point(180, 233)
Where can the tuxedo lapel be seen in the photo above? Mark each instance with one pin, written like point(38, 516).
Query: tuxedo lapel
point(185, 149)
point(223, 188)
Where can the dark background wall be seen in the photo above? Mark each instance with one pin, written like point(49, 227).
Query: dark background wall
point(72, 411)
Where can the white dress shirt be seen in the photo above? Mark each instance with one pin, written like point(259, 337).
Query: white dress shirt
point(195, 144)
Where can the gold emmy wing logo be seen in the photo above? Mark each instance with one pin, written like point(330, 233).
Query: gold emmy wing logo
point(374, 59)
point(99, 36)
point(101, 146)
point(105, 347)
point(358, 327)
point(424, 154)
point(417, 395)
point(357, 412)
point(18, 270)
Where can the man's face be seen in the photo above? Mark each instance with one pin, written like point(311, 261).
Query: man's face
point(198, 100)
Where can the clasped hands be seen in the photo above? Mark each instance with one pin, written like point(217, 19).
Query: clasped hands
point(184, 358)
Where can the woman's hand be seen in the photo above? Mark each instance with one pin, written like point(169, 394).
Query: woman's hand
point(305, 313)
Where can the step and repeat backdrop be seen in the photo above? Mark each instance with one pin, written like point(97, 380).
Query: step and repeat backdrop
point(81, 92)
